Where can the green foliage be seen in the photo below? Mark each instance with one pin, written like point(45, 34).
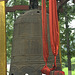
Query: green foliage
point(69, 13)
point(73, 63)
point(9, 33)
point(73, 60)
point(66, 71)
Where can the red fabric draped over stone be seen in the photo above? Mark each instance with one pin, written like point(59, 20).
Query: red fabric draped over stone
point(54, 27)
point(44, 32)
point(54, 33)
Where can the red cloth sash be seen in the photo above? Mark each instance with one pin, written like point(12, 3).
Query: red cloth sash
point(44, 32)
point(54, 33)
point(54, 28)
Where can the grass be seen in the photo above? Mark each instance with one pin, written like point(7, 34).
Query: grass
point(66, 71)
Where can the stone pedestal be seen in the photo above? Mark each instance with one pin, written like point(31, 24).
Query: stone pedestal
point(57, 73)
point(27, 52)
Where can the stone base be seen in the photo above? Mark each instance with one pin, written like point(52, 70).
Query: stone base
point(57, 73)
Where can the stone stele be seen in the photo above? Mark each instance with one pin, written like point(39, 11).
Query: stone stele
point(27, 52)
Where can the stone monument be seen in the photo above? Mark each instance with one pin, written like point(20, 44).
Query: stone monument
point(27, 52)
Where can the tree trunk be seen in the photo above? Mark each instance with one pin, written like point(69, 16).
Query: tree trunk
point(68, 46)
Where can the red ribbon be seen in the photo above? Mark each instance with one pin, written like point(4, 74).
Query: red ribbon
point(44, 32)
point(54, 33)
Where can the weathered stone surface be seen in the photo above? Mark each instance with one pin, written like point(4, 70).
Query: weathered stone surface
point(57, 73)
point(27, 52)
